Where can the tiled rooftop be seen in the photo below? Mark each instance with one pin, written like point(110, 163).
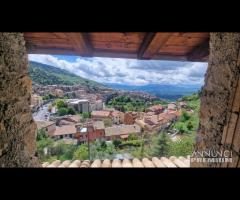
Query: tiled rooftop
point(163, 162)
point(66, 129)
point(122, 129)
point(43, 124)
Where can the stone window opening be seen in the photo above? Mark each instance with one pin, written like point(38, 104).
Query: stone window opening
point(219, 110)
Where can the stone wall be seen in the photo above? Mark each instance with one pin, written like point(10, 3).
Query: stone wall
point(17, 128)
point(219, 127)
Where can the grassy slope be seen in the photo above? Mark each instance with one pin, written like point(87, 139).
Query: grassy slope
point(49, 75)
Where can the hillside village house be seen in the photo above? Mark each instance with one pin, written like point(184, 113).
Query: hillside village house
point(58, 93)
point(99, 115)
point(121, 131)
point(157, 109)
point(117, 117)
point(47, 126)
point(129, 117)
point(66, 131)
point(151, 122)
point(80, 105)
point(172, 106)
point(67, 119)
point(91, 133)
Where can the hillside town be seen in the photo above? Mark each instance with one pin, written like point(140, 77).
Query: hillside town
point(103, 122)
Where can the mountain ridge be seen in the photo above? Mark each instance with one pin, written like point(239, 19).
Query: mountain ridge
point(49, 75)
point(165, 91)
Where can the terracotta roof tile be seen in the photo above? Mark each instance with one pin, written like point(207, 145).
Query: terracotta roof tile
point(154, 162)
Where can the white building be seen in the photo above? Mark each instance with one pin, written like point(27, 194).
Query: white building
point(80, 105)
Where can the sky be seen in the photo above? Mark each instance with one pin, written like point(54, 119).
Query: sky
point(128, 71)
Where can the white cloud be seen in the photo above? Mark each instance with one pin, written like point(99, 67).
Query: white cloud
point(129, 71)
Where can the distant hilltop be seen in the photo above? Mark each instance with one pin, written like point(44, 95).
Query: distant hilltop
point(163, 91)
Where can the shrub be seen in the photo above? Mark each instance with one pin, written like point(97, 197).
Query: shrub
point(81, 153)
point(132, 143)
point(184, 116)
point(71, 111)
point(182, 147)
point(161, 146)
point(86, 115)
point(189, 126)
point(117, 142)
point(60, 103)
point(132, 137)
point(62, 111)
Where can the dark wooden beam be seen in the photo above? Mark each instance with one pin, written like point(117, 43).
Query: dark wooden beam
point(146, 42)
point(87, 42)
point(200, 53)
point(156, 44)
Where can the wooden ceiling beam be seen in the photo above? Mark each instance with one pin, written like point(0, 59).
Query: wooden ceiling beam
point(156, 44)
point(200, 53)
point(145, 44)
point(81, 43)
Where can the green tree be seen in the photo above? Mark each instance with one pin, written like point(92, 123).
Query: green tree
point(101, 150)
point(103, 144)
point(117, 142)
point(161, 147)
point(71, 111)
point(41, 134)
point(60, 103)
point(132, 136)
point(181, 128)
point(181, 147)
point(189, 126)
point(81, 153)
point(43, 141)
point(63, 151)
point(184, 116)
point(62, 111)
point(86, 115)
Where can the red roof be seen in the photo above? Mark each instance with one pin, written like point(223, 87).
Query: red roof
point(155, 107)
point(100, 113)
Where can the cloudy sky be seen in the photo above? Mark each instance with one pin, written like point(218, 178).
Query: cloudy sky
point(128, 71)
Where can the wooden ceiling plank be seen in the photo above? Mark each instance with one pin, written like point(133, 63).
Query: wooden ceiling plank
point(114, 54)
point(170, 57)
point(156, 44)
point(80, 43)
point(117, 37)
